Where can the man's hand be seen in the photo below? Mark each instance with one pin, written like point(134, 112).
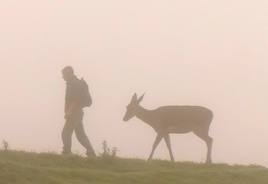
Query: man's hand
point(67, 116)
point(72, 108)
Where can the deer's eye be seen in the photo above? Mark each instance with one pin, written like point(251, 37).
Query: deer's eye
point(128, 107)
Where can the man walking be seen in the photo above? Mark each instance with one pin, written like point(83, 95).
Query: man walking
point(76, 98)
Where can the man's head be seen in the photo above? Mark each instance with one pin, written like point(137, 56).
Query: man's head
point(67, 73)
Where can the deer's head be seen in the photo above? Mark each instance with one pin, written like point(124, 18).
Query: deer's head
point(132, 107)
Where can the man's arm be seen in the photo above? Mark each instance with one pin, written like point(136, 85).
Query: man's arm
point(70, 109)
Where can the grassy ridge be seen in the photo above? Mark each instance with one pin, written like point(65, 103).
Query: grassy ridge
point(32, 168)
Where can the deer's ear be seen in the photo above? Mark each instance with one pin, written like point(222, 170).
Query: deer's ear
point(134, 97)
point(141, 98)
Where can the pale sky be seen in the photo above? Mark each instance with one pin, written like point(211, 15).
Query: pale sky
point(207, 53)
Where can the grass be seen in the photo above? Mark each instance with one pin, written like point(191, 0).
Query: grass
point(32, 168)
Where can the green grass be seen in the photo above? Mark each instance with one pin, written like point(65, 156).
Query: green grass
point(32, 168)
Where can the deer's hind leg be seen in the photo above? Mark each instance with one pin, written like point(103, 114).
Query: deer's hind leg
point(203, 134)
point(156, 143)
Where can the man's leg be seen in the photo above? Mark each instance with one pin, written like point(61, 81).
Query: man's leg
point(81, 135)
point(67, 133)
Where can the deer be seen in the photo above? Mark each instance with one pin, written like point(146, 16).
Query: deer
point(168, 120)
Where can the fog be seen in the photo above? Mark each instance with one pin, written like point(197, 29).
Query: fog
point(207, 53)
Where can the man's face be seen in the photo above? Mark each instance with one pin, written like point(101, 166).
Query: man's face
point(67, 75)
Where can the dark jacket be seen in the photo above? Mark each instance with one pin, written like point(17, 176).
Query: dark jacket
point(73, 92)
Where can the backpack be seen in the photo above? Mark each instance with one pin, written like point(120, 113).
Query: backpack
point(86, 100)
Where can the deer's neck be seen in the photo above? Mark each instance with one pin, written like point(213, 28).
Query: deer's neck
point(144, 115)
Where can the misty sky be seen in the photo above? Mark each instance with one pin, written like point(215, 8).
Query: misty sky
point(193, 52)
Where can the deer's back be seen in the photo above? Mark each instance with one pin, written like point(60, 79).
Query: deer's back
point(182, 118)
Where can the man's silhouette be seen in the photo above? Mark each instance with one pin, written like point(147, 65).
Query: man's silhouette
point(74, 103)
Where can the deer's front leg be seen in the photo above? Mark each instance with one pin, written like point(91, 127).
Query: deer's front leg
point(156, 142)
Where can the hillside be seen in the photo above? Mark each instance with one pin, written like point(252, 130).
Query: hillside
point(33, 168)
